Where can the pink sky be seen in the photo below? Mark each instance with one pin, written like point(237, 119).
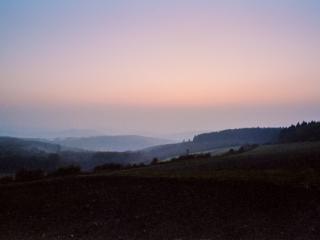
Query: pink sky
point(170, 59)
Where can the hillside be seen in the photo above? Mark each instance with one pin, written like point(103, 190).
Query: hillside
point(258, 192)
point(29, 153)
point(266, 159)
point(28, 145)
point(240, 136)
point(18, 153)
point(214, 140)
point(119, 143)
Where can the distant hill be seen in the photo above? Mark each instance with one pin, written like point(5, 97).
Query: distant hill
point(240, 136)
point(213, 140)
point(119, 143)
point(18, 153)
point(27, 145)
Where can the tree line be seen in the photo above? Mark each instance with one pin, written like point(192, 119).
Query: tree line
point(301, 132)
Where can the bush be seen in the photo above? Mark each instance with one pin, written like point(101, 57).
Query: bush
point(154, 161)
point(191, 157)
point(231, 151)
point(29, 175)
point(66, 171)
point(139, 165)
point(6, 179)
point(108, 167)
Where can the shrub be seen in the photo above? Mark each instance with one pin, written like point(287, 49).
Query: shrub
point(29, 175)
point(139, 165)
point(191, 157)
point(154, 161)
point(66, 171)
point(231, 151)
point(6, 179)
point(108, 166)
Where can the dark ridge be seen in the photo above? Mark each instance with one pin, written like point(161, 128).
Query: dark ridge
point(240, 136)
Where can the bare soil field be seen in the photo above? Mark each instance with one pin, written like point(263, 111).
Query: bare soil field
point(104, 207)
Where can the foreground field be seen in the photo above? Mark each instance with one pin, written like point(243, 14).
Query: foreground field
point(270, 192)
point(157, 208)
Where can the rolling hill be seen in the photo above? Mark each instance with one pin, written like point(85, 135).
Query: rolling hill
point(16, 153)
point(120, 143)
point(19, 153)
point(240, 136)
point(281, 159)
point(209, 141)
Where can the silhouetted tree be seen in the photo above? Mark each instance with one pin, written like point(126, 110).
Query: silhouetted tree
point(108, 167)
point(29, 175)
point(66, 171)
point(154, 161)
point(301, 132)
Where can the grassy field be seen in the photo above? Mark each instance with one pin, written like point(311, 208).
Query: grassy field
point(282, 163)
point(212, 152)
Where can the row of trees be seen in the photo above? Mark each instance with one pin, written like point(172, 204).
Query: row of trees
point(116, 166)
point(301, 132)
point(25, 175)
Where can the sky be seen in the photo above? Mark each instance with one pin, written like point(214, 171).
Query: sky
point(157, 67)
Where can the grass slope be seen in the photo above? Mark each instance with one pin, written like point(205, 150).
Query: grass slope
point(294, 162)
